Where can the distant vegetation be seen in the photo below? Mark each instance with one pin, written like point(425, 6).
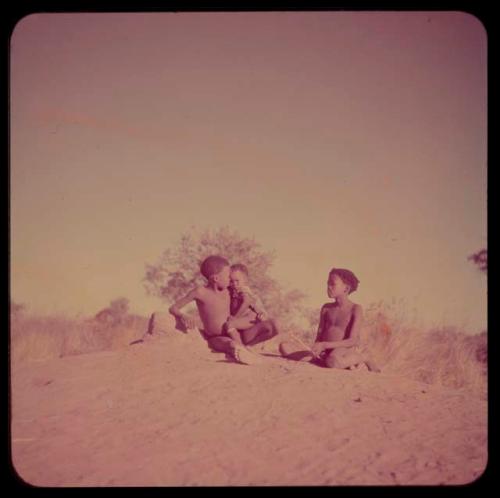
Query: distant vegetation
point(117, 313)
point(35, 337)
point(480, 259)
point(445, 356)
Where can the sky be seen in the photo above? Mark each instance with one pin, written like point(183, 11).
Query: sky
point(336, 139)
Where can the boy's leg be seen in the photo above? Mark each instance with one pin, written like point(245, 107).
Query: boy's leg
point(234, 349)
point(243, 322)
point(232, 332)
point(234, 335)
point(259, 332)
point(343, 358)
point(221, 343)
point(288, 349)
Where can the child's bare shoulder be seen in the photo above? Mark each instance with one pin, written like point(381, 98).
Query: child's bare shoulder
point(328, 307)
point(203, 292)
point(198, 292)
point(357, 309)
point(327, 310)
point(245, 290)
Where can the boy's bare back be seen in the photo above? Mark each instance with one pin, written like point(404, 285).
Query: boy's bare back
point(213, 307)
point(212, 300)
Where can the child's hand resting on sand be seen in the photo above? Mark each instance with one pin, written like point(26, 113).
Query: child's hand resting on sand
point(317, 348)
point(187, 321)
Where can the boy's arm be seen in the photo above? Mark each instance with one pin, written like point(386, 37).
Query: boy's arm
point(353, 340)
point(175, 309)
point(321, 323)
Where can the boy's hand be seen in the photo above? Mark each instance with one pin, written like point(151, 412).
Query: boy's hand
point(317, 348)
point(187, 321)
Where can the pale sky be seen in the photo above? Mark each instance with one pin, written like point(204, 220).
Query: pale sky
point(337, 139)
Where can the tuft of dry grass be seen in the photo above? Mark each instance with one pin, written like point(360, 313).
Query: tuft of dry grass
point(443, 356)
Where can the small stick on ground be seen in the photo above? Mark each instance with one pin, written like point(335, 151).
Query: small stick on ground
point(304, 345)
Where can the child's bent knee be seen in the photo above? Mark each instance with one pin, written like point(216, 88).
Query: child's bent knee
point(274, 326)
point(333, 361)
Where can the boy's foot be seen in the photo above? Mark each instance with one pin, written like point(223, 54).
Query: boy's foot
point(362, 366)
point(243, 355)
point(372, 367)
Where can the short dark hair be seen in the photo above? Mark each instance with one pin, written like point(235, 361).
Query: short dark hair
point(240, 267)
point(347, 276)
point(212, 265)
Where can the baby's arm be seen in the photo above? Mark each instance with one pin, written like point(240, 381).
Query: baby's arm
point(245, 305)
point(259, 308)
point(240, 320)
point(175, 309)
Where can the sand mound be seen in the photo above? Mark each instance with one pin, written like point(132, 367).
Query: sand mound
point(171, 412)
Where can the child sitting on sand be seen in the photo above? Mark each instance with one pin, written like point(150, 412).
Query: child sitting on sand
point(247, 309)
point(213, 303)
point(339, 328)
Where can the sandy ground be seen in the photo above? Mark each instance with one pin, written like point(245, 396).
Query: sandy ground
point(170, 412)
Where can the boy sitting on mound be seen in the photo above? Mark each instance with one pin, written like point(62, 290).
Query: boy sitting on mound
point(213, 303)
point(339, 328)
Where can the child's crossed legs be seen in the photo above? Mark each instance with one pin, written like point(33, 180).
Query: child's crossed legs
point(250, 331)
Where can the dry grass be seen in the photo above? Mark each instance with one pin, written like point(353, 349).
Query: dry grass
point(444, 356)
point(35, 338)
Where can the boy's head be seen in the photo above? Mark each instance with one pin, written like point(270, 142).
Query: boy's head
point(341, 281)
point(216, 270)
point(239, 276)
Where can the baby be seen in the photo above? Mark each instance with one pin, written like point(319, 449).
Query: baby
point(249, 322)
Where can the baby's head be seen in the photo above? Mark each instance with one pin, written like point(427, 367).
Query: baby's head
point(341, 282)
point(216, 270)
point(239, 276)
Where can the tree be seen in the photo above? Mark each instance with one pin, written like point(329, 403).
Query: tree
point(178, 269)
point(119, 306)
point(115, 314)
point(480, 259)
